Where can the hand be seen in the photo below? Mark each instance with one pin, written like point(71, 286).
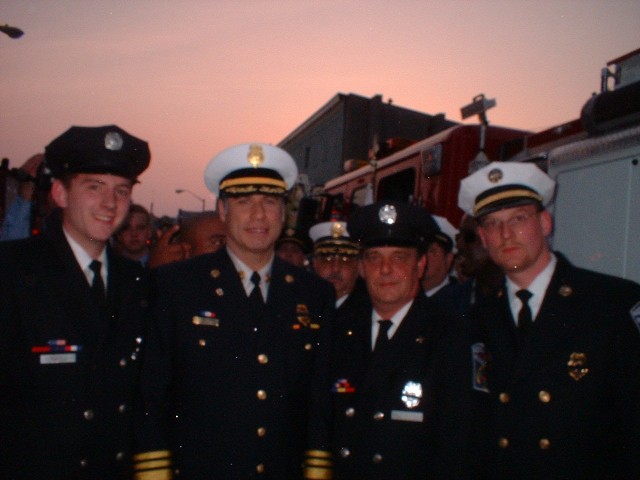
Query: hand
point(166, 252)
point(30, 167)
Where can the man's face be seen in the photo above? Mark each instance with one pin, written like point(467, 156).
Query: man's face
point(392, 275)
point(94, 206)
point(438, 265)
point(516, 237)
point(136, 233)
point(472, 255)
point(206, 236)
point(341, 271)
point(291, 252)
point(253, 222)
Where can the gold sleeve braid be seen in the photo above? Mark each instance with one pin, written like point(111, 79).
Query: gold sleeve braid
point(318, 465)
point(154, 465)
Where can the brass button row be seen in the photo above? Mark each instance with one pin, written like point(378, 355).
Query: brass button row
point(544, 443)
point(543, 396)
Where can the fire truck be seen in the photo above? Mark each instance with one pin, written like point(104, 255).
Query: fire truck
point(427, 173)
point(594, 160)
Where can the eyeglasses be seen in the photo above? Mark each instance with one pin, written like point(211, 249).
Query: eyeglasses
point(516, 222)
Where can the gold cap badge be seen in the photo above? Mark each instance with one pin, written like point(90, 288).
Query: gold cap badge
point(255, 156)
point(337, 230)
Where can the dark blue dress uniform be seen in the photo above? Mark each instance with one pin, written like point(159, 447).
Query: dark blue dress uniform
point(70, 360)
point(395, 417)
point(230, 391)
point(69, 369)
point(566, 402)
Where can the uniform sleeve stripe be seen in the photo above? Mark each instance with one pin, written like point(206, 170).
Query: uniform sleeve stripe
point(154, 475)
point(153, 455)
point(318, 462)
point(318, 453)
point(153, 464)
point(318, 474)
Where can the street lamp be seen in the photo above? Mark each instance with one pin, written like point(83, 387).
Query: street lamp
point(12, 32)
point(183, 190)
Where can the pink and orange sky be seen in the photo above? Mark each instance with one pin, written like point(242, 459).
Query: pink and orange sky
point(195, 76)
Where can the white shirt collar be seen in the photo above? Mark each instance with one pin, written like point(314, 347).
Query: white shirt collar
point(537, 288)
point(396, 320)
point(431, 292)
point(245, 274)
point(84, 259)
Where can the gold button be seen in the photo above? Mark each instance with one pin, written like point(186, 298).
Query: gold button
point(308, 346)
point(544, 396)
point(88, 414)
point(262, 431)
point(349, 412)
point(378, 416)
point(262, 358)
point(261, 394)
point(260, 468)
point(503, 442)
point(544, 444)
point(504, 397)
point(377, 458)
point(202, 342)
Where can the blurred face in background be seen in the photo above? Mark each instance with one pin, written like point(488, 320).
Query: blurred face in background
point(439, 263)
point(135, 234)
point(205, 234)
point(292, 252)
point(340, 270)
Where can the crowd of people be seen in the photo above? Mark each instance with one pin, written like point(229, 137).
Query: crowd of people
point(390, 345)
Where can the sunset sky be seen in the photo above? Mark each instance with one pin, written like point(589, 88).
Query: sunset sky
point(193, 77)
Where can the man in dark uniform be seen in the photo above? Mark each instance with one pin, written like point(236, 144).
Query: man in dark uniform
point(236, 381)
point(437, 273)
point(558, 351)
point(293, 246)
point(389, 391)
point(335, 258)
point(72, 318)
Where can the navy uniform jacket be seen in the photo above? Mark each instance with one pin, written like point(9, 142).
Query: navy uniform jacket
point(234, 392)
point(354, 301)
point(566, 404)
point(66, 415)
point(390, 405)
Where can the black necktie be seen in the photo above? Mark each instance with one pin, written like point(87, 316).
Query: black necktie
point(524, 316)
point(97, 285)
point(383, 336)
point(256, 293)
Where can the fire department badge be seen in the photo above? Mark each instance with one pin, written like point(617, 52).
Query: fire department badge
point(577, 366)
point(255, 155)
point(388, 214)
point(479, 366)
point(113, 141)
point(495, 175)
point(411, 394)
point(337, 230)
